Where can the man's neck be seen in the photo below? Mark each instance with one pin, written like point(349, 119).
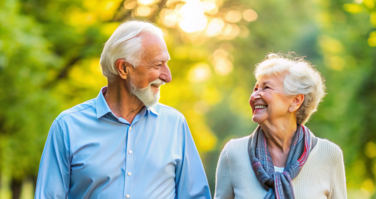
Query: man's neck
point(122, 102)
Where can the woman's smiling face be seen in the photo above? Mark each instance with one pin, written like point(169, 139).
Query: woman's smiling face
point(268, 100)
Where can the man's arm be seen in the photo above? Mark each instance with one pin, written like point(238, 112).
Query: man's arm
point(190, 180)
point(54, 169)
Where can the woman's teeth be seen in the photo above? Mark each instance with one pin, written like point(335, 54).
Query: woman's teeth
point(260, 106)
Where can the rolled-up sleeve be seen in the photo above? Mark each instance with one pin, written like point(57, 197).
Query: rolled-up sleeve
point(54, 169)
point(223, 187)
point(191, 181)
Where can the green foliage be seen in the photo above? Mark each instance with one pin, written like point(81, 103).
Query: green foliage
point(49, 61)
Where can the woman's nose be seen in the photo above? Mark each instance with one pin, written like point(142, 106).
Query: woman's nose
point(255, 95)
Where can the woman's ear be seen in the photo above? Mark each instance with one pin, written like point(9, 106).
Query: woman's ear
point(296, 102)
point(123, 68)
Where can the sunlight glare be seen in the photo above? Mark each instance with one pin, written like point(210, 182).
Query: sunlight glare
point(215, 27)
point(210, 8)
point(170, 17)
point(193, 18)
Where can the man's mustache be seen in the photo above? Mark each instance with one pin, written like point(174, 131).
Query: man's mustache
point(157, 83)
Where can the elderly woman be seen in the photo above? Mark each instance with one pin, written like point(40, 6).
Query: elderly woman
point(282, 158)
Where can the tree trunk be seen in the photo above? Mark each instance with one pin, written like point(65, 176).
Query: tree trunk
point(16, 187)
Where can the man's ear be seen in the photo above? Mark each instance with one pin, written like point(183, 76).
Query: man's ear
point(296, 102)
point(122, 68)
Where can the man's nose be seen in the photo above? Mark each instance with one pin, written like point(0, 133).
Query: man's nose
point(165, 74)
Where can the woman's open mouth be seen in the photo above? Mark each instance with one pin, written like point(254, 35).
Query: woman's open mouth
point(260, 107)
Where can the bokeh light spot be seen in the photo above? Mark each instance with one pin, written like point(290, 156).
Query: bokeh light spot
point(223, 66)
point(145, 2)
point(143, 11)
point(352, 8)
point(250, 15)
point(233, 16)
point(130, 5)
point(215, 27)
point(199, 73)
point(370, 149)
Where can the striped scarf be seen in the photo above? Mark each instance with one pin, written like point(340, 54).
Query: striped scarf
point(279, 185)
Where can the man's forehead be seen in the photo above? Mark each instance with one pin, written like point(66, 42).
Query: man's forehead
point(162, 57)
point(149, 38)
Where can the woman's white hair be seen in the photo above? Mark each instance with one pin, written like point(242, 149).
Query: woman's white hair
point(126, 43)
point(301, 78)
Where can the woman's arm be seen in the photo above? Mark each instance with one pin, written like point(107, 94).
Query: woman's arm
point(338, 186)
point(223, 187)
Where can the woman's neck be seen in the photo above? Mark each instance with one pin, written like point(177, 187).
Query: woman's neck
point(279, 135)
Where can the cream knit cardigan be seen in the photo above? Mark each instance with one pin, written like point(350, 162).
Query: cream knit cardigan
point(322, 176)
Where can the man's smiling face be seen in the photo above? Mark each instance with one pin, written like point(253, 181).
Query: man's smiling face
point(152, 71)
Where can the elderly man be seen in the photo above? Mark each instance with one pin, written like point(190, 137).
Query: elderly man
point(123, 144)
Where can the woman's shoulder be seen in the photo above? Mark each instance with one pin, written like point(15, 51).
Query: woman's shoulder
point(236, 148)
point(328, 145)
point(329, 150)
point(237, 143)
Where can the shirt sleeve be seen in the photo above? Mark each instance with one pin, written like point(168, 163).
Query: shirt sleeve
point(223, 187)
point(190, 179)
point(54, 169)
point(338, 187)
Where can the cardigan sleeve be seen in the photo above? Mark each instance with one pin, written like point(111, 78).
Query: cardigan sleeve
point(338, 186)
point(223, 186)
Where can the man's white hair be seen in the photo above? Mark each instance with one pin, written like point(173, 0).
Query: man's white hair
point(125, 43)
point(301, 78)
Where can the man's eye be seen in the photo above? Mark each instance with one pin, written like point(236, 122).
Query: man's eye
point(266, 87)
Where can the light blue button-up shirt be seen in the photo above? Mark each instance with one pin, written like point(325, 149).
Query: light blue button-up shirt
point(90, 153)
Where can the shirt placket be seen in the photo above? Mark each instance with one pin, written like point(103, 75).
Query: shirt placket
point(129, 164)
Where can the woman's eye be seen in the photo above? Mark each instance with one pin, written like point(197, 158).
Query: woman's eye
point(266, 87)
point(255, 89)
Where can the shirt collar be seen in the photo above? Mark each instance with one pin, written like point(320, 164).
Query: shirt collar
point(103, 108)
point(153, 111)
point(101, 104)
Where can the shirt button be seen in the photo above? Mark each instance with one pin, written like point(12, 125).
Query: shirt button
point(130, 128)
point(129, 173)
point(130, 151)
point(127, 196)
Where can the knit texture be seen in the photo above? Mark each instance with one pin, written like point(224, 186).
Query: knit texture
point(278, 184)
point(322, 176)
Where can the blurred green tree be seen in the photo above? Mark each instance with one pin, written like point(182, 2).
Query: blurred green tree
point(49, 61)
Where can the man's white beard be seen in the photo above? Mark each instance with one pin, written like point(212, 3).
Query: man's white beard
point(146, 94)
